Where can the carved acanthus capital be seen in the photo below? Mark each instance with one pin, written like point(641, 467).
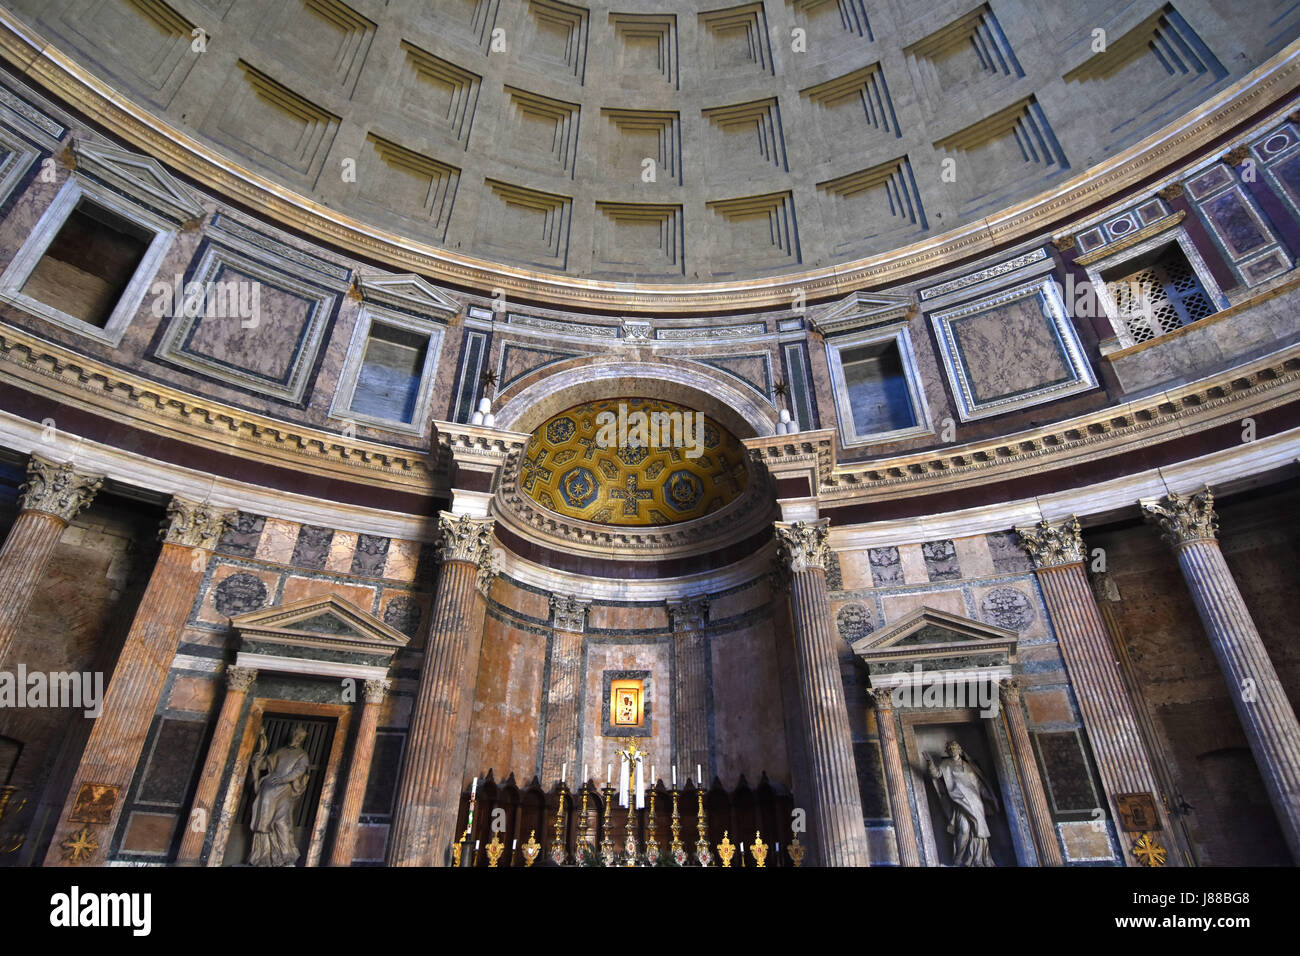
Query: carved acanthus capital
point(568, 613)
point(375, 690)
point(803, 544)
point(1184, 518)
point(883, 698)
point(1050, 547)
point(690, 613)
point(57, 489)
point(462, 538)
point(1009, 688)
point(193, 524)
point(240, 678)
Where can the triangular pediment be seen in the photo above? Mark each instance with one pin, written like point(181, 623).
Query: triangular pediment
point(409, 293)
point(320, 622)
point(140, 177)
point(862, 310)
point(929, 633)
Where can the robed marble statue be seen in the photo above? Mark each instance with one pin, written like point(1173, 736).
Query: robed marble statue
point(278, 781)
point(966, 798)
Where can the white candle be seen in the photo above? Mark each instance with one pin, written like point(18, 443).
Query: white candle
point(609, 772)
point(652, 775)
point(563, 768)
point(584, 774)
point(474, 789)
point(476, 845)
point(674, 776)
point(699, 776)
point(515, 843)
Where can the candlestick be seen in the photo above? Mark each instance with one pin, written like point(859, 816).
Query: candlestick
point(651, 844)
point(702, 853)
point(676, 848)
point(558, 853)
point(583, 846)
point(607, 844)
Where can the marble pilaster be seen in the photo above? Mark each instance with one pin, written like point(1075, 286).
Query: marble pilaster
point(1190, 525)
point(428, 796)
point(836, 816)
point(131, 698)
point(568, 621)
point(50, 498)
point(691, 688)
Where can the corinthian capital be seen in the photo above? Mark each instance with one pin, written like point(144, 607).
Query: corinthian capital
point(1184, 518)
point(689, 613)
point(240, 678)
point(568, 613)
point(462, 538)
point(55, 489)
point(1051, 547)
point(193, 524)
point(376, 689)
point(803, 544)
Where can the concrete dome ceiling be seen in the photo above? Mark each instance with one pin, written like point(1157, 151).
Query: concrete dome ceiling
point(633, 462)
point(683, 144)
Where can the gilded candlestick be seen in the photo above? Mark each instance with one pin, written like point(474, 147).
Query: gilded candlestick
point(651, 844)
point(558, 853)
point(676, 848)
point(607, 844)
point(702, 853)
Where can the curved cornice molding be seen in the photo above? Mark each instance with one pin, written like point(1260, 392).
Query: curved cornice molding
point(60, 74)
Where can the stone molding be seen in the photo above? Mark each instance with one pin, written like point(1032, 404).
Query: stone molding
point(1184, 518)
point(193, 524)
point(57, 489)
point(1051, 546)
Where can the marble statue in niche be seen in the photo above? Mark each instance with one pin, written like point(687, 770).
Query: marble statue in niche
point(967, 799)
point(278, 781)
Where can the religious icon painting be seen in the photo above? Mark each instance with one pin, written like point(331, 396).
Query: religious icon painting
point(626, 708)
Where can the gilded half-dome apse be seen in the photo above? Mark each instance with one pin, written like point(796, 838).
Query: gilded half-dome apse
point(633, 462)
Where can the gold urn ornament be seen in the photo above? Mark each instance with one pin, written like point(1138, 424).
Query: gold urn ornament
point(759, 850)
point(796, 851)
point(531, 849)
point(726, 849)
point(495, 849)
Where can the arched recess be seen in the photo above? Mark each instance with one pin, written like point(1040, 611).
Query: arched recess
point(590, 378)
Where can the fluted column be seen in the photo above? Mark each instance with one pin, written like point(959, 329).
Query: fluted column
point(691, 687)
point(354, 793)
point(568, 621)
point(199, 822)
point(1267, 717)
point(50, 498)
point(1108, 718)
point(836, 801)
point(909, 852)
point(117, 739)
point(429, 796)
point(1040, 817)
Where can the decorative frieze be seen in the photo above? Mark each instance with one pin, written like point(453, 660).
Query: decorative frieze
point(1050, 547)
point(57, 488)
point(192, 524)
point(1184, 518)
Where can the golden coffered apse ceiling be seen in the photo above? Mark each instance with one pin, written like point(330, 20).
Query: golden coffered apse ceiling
point(633, 462)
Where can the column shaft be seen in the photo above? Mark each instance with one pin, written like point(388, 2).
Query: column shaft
point(202, 816)
point(1040, 817)
point(909, 852)
point(1108, 716)
point(354, 793)
point(1266, 716)
point(429, 795)
point(837, 803)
